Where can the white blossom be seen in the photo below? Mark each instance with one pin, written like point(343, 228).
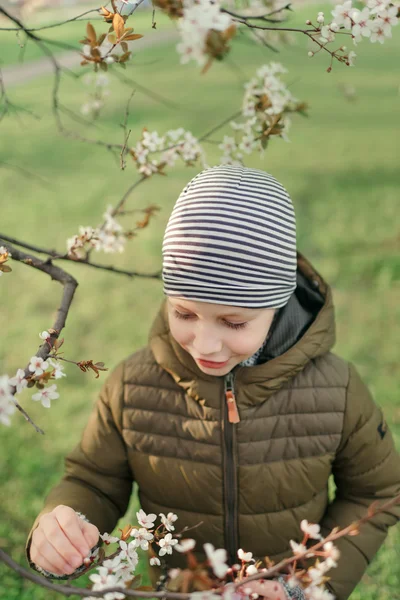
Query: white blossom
point(58, 368)
point(168, 520)
point(318, 593)
point(44, 335)
point(351, 58)
point(185, 545)
point(251, 570)
point(108, 539)
point(19, 381)
point(46, 395)
point(113, 564)
point(37, 365)
point(311, 529)
point(166, 544)
point(155, 561)
point(128, 552)
point(245, 556)
point(103, 580)
point(142, 538)
point(146, 520)
point(217, 560)
point(363, 24)
point(297, 548)
point(342, 14)
point(379, 34)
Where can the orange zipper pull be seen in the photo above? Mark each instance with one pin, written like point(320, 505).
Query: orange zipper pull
point(233, 413)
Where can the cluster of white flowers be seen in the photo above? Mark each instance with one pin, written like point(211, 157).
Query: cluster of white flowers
point(120, 570)
point(176, 143)
point(374, 21)
point(108, 238)
point(99, 90)
point(37, 367)
point(266, 105)
point(199, 18)
point(316, 575)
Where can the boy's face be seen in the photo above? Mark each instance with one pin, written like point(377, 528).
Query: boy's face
point(218, 337)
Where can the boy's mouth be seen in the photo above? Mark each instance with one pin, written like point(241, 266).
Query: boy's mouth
point(212, 364)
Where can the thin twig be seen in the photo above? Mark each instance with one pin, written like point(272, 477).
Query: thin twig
point(30, 29)
point(54, 255)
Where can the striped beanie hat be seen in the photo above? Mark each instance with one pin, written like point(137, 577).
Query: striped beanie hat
point(231, 239)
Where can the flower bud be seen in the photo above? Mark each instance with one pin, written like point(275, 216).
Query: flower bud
point(329, 69)
point(320, 18)
point(308, 22)
point(310, 54)
point(343, 48)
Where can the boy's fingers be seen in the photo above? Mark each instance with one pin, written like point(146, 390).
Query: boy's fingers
point(70, 526)
point(90, 532)
point(55, 535)
point(44, 554)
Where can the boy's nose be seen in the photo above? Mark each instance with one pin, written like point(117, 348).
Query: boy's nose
point(206, 344)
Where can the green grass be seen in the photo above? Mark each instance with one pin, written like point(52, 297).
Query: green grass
point(341, 169)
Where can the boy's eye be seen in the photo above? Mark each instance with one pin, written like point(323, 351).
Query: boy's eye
point(182, 315)
point(186, 316)
point(235, 325)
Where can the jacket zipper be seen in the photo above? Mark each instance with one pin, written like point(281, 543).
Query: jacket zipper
point(230, 418)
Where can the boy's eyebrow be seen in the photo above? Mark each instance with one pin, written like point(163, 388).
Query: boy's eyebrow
point(233, 314)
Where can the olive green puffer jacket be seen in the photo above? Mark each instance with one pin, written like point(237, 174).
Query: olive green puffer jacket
point(304, 415)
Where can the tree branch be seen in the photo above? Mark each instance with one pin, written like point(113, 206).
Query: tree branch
point(69, 284)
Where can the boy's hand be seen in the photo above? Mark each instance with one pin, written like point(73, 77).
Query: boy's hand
point(62, 540)
point(270, 590)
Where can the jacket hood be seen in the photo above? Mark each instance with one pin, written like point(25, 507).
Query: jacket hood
point(302, 330)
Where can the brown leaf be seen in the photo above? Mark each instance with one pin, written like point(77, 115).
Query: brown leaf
point(124, 57)
point(91, 33)
point(133, 36)
point(108, 16)
point(101, 39)
point(125, 532)
point(124, 46)
point(229, 33)
point(5, 268)
point(135, 582)
point(112, 38)
point(118, 25)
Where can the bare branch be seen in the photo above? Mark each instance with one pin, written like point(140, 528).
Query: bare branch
point(69, 284)
point(335, 534)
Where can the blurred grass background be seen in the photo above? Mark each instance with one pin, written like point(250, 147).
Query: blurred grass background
point(341, 168)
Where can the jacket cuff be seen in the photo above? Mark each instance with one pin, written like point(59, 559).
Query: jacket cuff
point(292, 593)
point(50, 575)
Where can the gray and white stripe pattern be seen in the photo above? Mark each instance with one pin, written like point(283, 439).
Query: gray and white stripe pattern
point(231, 239)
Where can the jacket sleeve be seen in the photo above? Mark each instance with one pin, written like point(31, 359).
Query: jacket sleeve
point(97, 480)
point(366, 469)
